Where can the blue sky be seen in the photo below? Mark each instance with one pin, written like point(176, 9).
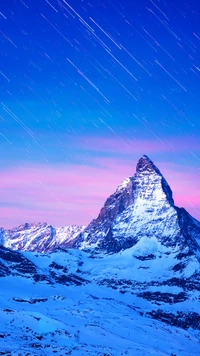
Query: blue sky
point(125, 74)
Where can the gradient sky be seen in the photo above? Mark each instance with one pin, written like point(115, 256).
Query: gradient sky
point(87, 88)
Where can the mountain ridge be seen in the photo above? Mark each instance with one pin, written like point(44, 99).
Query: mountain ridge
point(39, 237)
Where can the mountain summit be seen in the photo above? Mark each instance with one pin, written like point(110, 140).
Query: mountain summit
point(146, 168)
point(146, 165)
point(142, 207)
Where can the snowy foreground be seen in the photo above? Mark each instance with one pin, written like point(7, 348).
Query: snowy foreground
point(74, 303)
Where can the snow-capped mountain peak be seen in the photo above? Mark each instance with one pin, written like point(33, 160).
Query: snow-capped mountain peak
point(150, 181)
point(146, 165)
point(141, 207)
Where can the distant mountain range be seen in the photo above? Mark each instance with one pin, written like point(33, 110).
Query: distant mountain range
point(39, 237)
point(127, 284)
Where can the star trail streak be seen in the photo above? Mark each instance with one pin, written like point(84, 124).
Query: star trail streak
point(87, 87)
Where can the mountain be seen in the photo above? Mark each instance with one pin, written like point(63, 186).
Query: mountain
point(39, 237)
point(142, 208)
point(128, 285)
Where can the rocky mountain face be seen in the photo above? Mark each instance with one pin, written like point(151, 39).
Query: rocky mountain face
point(39, 237)
point(141, 207)
point(128, 285)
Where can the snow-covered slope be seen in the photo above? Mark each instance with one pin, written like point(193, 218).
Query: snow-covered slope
point(77, 303)
point(141, 208)
point(39, 237)
point(130, 285)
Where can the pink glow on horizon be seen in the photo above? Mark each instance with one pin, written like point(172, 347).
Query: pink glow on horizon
point(65, 195)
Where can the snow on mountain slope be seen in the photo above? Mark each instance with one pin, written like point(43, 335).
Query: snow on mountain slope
point(74, 303)
point(39, 237)
point(129, 285)
point(141, 207)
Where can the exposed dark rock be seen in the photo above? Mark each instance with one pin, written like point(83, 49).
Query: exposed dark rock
point(68, 279)
point(164, 297)
point(55, 265)
point(42, 278)
point(25, 267)
point(31, 301)
point(10, 256)
point(4, 270)
point(145, 258)
point(180, 319)
point(179, 266)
